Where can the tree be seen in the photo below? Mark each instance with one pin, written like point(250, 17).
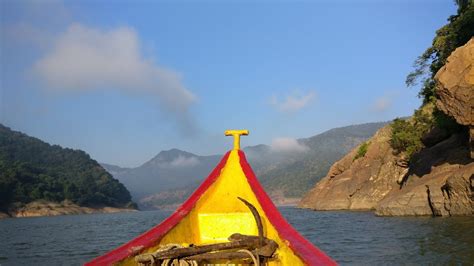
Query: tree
point(458, 31)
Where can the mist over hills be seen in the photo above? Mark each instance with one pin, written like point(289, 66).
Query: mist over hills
point(167, 170)
point(294, 175)
point(113, 169)
point(286, 168)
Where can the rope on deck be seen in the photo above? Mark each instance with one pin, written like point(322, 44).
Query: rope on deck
point(256, 260)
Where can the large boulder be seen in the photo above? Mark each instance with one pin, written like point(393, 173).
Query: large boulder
point(455, 87)
point(439, 182)
point(448, 192)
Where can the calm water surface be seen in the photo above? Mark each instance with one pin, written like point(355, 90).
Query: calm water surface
point(348, 237)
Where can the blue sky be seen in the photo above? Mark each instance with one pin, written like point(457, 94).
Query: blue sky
point(124, 80)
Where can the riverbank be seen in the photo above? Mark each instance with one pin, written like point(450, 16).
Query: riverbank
point(47, 208)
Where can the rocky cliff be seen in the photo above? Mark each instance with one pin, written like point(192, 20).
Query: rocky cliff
point(438, 180)
point(455, 88)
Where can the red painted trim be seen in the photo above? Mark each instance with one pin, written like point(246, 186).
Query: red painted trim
point(307, 251)
point(310, 254)
point(155, 234)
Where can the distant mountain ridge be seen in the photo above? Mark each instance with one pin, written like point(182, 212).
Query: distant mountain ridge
point(169, 156)
point(169, 169)
point(113, 169)
point(170, 176)
point(296, 174)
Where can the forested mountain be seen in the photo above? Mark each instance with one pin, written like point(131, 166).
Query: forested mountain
point(31, 169)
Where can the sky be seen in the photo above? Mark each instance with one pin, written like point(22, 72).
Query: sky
point(124, 80)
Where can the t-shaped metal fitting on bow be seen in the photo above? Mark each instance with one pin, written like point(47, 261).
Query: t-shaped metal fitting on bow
point(236, 134)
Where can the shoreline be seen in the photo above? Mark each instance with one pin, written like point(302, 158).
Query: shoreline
point(45, 208)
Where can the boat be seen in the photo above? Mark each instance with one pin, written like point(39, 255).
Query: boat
point(228, 220)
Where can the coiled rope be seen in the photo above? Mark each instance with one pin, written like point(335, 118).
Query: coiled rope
point(256, 260)
point(172, 262)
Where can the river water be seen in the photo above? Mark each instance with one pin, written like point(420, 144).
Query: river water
point(348, 237)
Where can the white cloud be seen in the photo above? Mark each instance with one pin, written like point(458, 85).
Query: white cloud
point(85, 58)
point(182, 161)
point(287, 145)
point(292, 103)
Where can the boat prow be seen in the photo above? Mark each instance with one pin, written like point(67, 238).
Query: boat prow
point(214, 212)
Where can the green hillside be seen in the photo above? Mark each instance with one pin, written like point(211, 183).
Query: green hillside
point(297, 174)
point(31, 169)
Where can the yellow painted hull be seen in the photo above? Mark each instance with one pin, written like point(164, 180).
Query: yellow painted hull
point(214, 212)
